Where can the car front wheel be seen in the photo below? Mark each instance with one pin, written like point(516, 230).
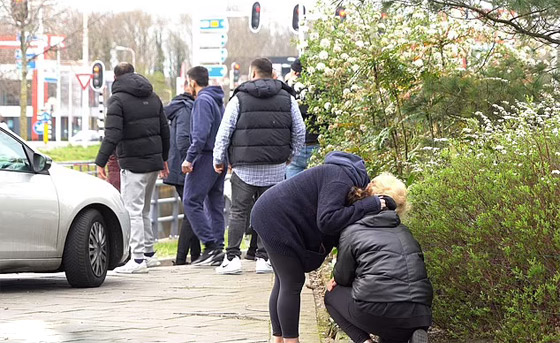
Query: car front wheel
point(86, 252)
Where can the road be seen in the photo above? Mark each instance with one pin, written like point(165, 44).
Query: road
point(170, 304)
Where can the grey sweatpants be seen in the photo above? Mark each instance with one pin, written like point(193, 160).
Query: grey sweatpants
point(136, 190)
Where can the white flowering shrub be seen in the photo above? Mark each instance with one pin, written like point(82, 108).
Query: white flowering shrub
point(488, 220)
point(392, 87)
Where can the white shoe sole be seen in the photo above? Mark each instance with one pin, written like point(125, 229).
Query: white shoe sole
point(229, 272)
point(419, 336)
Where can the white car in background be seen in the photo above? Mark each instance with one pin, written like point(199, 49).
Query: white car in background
point(86, 136)
point(56, 219)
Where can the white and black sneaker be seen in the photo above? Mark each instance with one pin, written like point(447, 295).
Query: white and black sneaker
point(419, 336)
point(209, 257)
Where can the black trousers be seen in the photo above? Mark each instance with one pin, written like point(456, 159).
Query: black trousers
point(243, 198)
point(187, 238)
point(285, 297)
point(358, 324)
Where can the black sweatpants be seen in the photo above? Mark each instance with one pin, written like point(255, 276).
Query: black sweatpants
point(285, 298)
point(359, 324)
point(187, 238)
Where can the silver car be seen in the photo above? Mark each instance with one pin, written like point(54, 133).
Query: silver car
point(56, 219)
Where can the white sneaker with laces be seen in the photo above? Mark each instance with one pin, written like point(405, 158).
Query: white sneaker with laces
point(152, 261)
point(263, 266)
point(131, 267)
point(229, 267)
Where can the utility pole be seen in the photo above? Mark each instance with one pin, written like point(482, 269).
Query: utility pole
point(85, 62)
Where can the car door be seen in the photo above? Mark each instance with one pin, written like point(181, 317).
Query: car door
point(29, 213)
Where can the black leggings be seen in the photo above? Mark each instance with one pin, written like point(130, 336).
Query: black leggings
point(358, 324)
point(285, 298)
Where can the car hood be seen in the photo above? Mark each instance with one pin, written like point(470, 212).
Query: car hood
point(77, 190)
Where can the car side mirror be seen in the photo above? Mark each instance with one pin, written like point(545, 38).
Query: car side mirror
point(41, 163)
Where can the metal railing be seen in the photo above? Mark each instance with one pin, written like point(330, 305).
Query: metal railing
point(91, 168)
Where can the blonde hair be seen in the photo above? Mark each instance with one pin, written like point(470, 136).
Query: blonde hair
point(388, 184)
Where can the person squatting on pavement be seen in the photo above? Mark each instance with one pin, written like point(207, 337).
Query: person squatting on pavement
point(300, 160)
point(178, 112)
point(204, 189)
point(261, 130)
point(136, 126)
point(380, 283)
point(299, 221)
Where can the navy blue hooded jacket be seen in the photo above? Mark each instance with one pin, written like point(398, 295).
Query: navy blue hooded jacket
point(206, 117)
point(178, 113)
point(304, 215)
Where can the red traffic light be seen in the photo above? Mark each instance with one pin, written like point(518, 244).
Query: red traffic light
point(236, 66)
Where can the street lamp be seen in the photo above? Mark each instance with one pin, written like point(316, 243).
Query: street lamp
point(124, 48)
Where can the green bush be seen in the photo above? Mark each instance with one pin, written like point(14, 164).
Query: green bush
point(73, 153)
point(488, 221)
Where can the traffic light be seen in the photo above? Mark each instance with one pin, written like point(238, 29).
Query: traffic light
point(255, 22)
point(97, 80)
point(236, 71)
point(20, 10)
point(295, 18)
point(340, 13)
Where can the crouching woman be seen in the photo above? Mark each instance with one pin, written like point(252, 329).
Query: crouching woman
point(380, 283)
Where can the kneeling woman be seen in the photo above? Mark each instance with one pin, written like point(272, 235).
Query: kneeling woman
point(380, 282)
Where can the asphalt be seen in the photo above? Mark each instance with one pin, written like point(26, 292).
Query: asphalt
point(169, 304)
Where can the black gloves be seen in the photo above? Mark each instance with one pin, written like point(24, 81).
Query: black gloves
point(389, 202)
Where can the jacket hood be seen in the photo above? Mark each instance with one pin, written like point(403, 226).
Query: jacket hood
point(215, 92)
point(353, 165)
point(387, 219)
point(133, 84)
point(177, 103)
point(264, 88)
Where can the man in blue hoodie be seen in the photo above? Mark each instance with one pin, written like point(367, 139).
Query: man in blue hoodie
point(204, 189)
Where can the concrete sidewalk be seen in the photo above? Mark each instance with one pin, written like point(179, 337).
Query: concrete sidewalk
point(170, 304)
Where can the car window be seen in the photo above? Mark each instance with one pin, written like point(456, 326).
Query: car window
point(12, 154)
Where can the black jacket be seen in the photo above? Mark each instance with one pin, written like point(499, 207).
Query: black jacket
point(178, 114)
point(263, 134)
point(136, 126)
point(382, 262)
point(304, 215)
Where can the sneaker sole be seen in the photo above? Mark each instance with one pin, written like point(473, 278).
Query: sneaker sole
point(154, 265)
point(264, 271)
point(419, 336)
point(235, 272)
point(132, 272)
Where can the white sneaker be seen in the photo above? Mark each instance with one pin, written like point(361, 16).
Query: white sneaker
point(263, 266)
point(131, 267)
point(229, 267)
point(152, 261)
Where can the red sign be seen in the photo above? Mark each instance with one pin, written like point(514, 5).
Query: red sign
point(84, 80)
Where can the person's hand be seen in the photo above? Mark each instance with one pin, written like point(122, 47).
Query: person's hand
point(219, 168)
point(186, 167)
point(331, 285)
point(101, 173)
point(389, 202)
point(163, 174)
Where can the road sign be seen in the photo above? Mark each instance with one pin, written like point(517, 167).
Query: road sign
point(38, 127)
point(214, 25)
point(216, 71)
point(45, 116)
point(213, 40)
point(84, 80)
point(214, 55)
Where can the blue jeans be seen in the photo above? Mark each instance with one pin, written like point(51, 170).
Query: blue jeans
point(300, 161)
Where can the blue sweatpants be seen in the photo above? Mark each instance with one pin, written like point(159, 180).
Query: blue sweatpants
point(203, 200)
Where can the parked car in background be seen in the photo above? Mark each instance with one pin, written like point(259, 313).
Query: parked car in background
point(56, 219)
point(87, 136)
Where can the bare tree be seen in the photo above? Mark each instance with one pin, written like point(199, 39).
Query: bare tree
point(24, 17)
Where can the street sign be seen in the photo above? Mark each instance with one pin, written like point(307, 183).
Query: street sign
point(213, 40)
point(214, 55)
point(214, 25)
point(216, 71)
point(38, 127)
point(84, 80)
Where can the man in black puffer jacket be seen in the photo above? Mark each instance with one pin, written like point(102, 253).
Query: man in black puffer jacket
point(136, 125)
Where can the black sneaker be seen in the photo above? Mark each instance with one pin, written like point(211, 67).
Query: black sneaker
point(419, 336)
point(208, 257)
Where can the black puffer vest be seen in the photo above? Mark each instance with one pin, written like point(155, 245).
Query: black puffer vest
point(263, 134)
